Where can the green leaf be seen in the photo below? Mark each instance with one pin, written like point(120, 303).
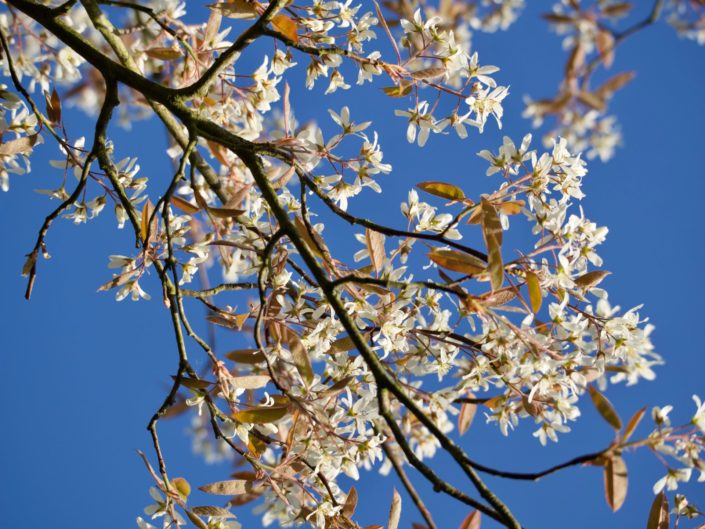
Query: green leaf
point(605, 408)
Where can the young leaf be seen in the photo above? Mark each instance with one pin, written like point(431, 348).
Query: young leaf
point(286, 26)
point(492, 231)
point(250, 381)
point(232, 487)
point(457, 261)
point(296, 347)
point(467, 414)
point(246, 356)
point(19, 145)
point(211, 510)
point(591, 279)
point(53, 106)
point(375, 246)
point(471, 521)
point(605, 408)
point(261, 414)
point(632, 424)
point(182, 487)
point(428, 73)
point(163, 54)
point(394, 511)
point(658, 515)
point(350, 503)
point(535, 295)
point(184, 205)
point(401, 90)
point(615, 476)
point(443, 190)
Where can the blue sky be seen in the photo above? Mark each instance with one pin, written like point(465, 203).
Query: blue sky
point(82, 374)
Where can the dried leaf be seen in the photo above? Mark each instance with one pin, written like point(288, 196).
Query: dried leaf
point(605, 408)
point(443, 190)
point(287, 26)
point(615, 476)
point(492, 231)
point(632, 424)
point(231, 487)
point(261, 414)
point(457, 261)
point(535, 295)
point(375, 246)
point(394, 511)
point(658, 514)
point(471, 521)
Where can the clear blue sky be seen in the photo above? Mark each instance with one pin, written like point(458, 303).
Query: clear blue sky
point(81, 374)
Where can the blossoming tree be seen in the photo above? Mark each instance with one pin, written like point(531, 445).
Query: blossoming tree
point(376, 360)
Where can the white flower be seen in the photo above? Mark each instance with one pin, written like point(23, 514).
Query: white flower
point(699, 417)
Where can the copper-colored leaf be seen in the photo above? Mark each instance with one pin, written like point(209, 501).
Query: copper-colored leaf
point(535, 295)
point(591, 279)
point(467, 414)
point(428, 73)
point(605, 408)
point(287, 26)
point(261, 414)
point(605, 46)
point(246, 356)
point(350, 503)
point(614, 83)
point(394, 511)
point(184, 205)
point(147, 229)
point(457, 261)
point(471, 521)
point(163, 54)
point(194, 383)
point(512, 207)
point(225, 213)
point(236, 8)
point(375, 246)
point(658, 514)
point(211, 510)
point(250, 381)
point(615, 476)
point(296, 347)
point(231, 487)
point(592, 100)
point(632, 424)
point(616, 10)
point(492, 231)
point(53, 106)
point(443, 190)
